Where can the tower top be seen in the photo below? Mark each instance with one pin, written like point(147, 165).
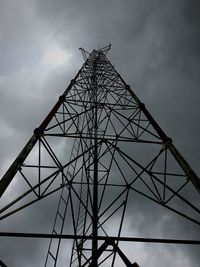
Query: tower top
point(103, 50)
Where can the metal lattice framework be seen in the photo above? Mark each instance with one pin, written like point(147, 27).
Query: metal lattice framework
point(99, 145)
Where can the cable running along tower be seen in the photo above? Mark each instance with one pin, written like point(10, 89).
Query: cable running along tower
point(98, 149)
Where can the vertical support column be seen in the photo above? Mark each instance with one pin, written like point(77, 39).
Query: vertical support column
point(95, 164)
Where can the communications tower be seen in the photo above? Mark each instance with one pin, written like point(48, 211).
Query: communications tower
point(100, 148)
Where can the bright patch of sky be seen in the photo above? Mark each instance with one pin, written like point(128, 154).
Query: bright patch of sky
point(55, 56)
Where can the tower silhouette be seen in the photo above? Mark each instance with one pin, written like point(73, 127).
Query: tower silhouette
point(99, 147)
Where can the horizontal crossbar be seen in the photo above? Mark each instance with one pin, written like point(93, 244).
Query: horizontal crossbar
point(106, 238)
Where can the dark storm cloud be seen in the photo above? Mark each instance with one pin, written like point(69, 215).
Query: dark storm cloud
point(155, 47)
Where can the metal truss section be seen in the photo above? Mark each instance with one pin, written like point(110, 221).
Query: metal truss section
point(100, 147)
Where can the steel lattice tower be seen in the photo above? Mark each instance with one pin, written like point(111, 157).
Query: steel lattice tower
point(98, 146)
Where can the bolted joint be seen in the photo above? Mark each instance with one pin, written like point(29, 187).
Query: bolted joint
point(110, 242)
point(20, 167)
point(167, 142)
point(69, 183)
point(38, 132)
point(72, 81)
point(141, 105)
point(62, 98)
point(135, 264)
point(104, 140)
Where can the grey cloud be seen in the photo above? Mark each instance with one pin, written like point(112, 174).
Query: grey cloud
point(155, 47)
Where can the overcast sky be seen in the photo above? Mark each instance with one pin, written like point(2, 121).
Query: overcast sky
point(155, 48)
